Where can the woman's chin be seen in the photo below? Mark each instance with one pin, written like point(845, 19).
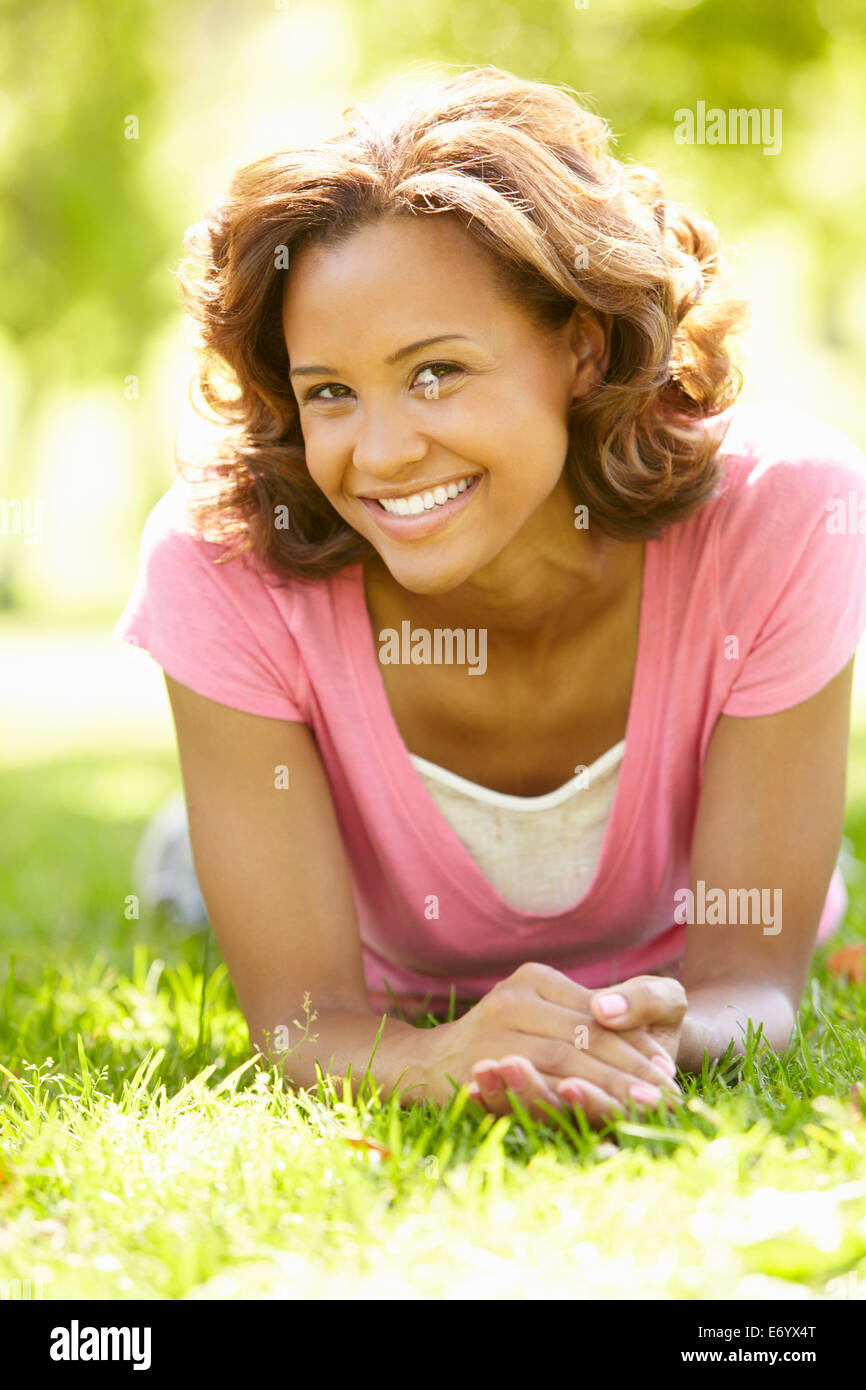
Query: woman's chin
point(430, 575)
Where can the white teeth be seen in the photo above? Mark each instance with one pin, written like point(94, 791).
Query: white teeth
point(424, 501)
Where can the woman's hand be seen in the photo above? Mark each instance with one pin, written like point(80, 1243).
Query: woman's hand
point(656, 1004)
point(532, 1019)
point(655, 1007)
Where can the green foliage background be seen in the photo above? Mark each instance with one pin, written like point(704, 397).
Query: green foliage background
point(110, 1186)
point(91, 222)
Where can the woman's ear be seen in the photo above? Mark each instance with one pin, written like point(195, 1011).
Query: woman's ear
point(590, 344)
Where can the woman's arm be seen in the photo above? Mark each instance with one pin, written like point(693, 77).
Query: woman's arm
point(770, 817)
point(274, 877)
point(719, 1012)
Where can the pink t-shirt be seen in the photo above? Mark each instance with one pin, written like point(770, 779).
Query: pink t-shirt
point(776, 561)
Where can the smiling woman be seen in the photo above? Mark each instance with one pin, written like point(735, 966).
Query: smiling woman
point(510, 184)
point(438, 343)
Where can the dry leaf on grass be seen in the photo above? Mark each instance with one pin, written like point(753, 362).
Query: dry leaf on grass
point(370, 1144)
point(849, 961)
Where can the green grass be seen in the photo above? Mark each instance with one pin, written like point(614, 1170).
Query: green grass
point(144, 1156)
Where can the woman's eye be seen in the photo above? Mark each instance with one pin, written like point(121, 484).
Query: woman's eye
point(316, 392)
point(433, 367)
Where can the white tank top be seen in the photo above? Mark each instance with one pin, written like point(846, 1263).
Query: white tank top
point(540, 853)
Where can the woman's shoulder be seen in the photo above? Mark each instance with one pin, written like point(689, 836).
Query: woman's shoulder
point(170, 531)
point(791, 485)
point(783, 462)
point(172, 524)
point(174, 542)
point(222, 624)
point(788, 556)
point(787, 482)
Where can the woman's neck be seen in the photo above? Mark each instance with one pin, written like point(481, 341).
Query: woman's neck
point(530, 612)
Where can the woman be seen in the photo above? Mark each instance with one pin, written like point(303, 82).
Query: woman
point(507, 659)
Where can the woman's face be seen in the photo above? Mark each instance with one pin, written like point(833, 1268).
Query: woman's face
point(385, 415)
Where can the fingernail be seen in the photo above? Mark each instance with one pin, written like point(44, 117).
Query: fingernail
point(641, 1090)
point(665, 1063)
point(612, 1005)
point(487, 1079)
point(512, 1075)
point(573, 1092)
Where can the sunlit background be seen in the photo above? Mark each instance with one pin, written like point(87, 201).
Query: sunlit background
point(95, 356)
point(95, 366)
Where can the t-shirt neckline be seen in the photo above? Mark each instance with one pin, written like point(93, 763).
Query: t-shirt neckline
point(433, 832)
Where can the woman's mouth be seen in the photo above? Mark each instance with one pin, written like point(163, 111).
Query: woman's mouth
point(427, 512)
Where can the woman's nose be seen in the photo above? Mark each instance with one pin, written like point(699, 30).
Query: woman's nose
point(387, 443)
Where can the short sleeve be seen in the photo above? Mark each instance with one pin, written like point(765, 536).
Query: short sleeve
point(791, 567)
point(217, 628)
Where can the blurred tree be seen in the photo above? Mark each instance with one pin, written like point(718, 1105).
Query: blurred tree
point(95, 200)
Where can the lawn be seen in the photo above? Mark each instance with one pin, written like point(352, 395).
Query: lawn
point(143, 1155)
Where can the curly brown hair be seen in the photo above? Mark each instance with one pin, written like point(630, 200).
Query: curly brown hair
point(528, 170)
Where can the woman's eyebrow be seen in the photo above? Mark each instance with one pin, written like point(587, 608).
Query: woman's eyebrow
point(389, 361)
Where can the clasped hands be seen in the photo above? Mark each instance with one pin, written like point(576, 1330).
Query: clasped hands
point(626, 1039)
